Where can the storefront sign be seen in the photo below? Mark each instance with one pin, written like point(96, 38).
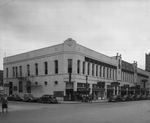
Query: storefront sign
point(98, 89)
point(83, 89)
point(127, 66)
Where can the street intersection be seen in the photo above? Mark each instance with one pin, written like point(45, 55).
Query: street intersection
point(103, 112)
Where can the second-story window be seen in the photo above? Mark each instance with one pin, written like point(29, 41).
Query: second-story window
point(56, 66)
point(13, 71)
point(104, 72)
point(36, 68)
point(28, 70)
point(113, 74)
point(92, 69)
point(78, 66)
point(96, 70)
point(20, 67)
point(6, 72)
point(107, 72)
point(69, 65)
point(20, 86)
point(46, 67)
point(16, 71)
point(100, 71)
point(110, 73)
point(88, 69)
point(83, 71)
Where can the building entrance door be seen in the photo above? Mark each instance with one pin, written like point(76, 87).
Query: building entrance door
point(69, 91)
point(69, 94)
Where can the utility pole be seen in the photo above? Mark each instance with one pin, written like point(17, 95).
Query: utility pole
point(86, 85)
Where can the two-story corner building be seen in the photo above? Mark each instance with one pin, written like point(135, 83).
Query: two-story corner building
point(67, 70)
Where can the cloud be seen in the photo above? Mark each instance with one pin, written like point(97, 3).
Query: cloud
point(105, 26)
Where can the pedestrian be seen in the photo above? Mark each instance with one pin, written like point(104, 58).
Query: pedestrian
point(83, 98)
point(4, 103)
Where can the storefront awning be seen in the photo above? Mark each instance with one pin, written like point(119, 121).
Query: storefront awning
point(98, 89)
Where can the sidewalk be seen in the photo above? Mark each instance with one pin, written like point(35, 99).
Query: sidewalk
point(79, 102)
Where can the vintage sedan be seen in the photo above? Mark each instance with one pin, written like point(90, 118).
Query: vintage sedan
point(115, 98)
point(15, 97)
point(127, 98)
point(29, 98)
point(47, 99)
point(133, 97)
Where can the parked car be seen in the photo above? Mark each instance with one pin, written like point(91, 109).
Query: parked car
point(47, 99)
point(30, 98)
point(127, 98)
point(138, 97)
point(115, 98)
point(15, 97)
point(144, 97)
point(133, 97)
point(148, 97)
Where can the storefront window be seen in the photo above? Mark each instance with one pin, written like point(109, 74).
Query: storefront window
point(88, 85)
point(79, 84)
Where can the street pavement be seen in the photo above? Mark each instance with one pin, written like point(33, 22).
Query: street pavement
point(69, 112)
point(78, 102)
point(15, 106)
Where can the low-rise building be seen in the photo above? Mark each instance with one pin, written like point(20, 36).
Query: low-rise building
point(69, 69)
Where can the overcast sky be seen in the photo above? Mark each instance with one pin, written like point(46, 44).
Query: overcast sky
point(106, 26)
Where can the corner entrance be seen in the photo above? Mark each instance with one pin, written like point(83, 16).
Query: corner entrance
point(69, 94)
point(69, 91)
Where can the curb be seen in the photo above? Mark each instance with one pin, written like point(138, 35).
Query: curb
point(71, 102)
